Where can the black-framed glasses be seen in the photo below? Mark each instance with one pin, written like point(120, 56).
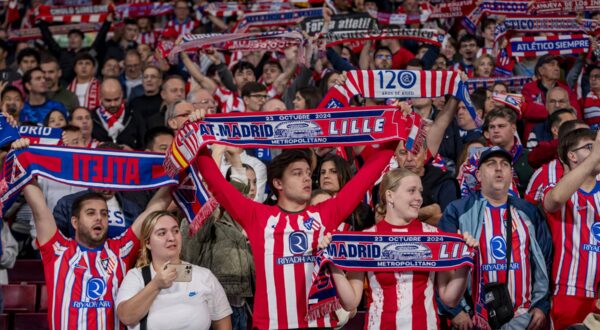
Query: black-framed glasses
point(259, 96)
point(588, 146)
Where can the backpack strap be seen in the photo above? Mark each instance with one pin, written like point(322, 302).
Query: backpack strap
point(147, 276)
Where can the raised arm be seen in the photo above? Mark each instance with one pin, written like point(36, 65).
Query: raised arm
point(160, 201)
point(435, 134)
point(237, 205)
point(42, 215)
point(195, 72)
point(569, 183)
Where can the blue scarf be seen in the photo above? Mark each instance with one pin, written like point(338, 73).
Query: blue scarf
point(397, 252)
point(98, 169)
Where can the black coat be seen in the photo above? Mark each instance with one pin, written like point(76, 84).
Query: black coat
point(132, 135)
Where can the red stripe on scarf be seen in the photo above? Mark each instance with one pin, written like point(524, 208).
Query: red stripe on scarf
point(92, 96)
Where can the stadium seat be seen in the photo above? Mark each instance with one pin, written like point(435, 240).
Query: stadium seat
point(31, 321)
point(19, 298)
point(3, 321)
point(43, 305)
point(26, 271)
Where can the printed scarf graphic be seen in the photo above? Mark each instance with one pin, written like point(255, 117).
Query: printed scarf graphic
point(399, 84)
point(271, 41)
point(542, 45)
point(545, 24)
point(99, 169)
point(281, 18)
point(395, 252)
point(307, 128)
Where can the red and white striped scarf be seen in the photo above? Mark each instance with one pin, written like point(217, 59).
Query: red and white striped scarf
point(429, 36)
point(562, 6)
point(229, 101)
point(147, 38)
point(112, 122)
point(92, 96)
point(513, 101)
point(591, 109)
point(73, 14)
point(530, 24)
point(35, 33)
point(271, 41)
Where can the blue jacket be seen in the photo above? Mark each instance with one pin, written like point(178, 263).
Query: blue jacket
point(62, 215)
point(36, 114)
point(468, 213)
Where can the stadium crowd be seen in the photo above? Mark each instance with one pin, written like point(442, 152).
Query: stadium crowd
point(500, 101)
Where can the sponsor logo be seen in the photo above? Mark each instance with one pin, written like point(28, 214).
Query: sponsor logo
point(298, 242)
point(406, 251)
point(297, 129)
point(407, 79)
point(596, 231)
point(498, 247)
point(96, 288)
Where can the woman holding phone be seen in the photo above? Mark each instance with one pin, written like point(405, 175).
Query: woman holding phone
point(163, 292)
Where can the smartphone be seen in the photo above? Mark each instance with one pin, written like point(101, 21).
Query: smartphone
point(184, 272)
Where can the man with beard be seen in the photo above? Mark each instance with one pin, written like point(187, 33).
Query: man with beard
point(83, 274)
point(467, 48)
point(112, 121)
point(56, 92)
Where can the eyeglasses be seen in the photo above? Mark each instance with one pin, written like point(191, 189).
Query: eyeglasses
point(259, 96)
point(595, 77)
point(588, 146)
point(383, 57)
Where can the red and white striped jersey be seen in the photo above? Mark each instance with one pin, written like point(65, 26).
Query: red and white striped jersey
point(82, 283)
point(229, 101)
point(186, 27)
point(402, 300)
point(575, 232)
point(284, 243)
point(492, 256)
point(544, 176)
point(147, 38)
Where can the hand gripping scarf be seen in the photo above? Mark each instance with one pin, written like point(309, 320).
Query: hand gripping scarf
point(399, 84)
point(397, 252)
point(99, 169)
point(493, 7)
point(35, 134)
point(542, 45)
point(307, 128)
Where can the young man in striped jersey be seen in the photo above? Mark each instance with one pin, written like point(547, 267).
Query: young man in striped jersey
point(284, 237)
point(83, 274)
point(573, 207)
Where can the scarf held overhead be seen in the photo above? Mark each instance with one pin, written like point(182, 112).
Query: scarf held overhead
point(398, 252)
point(307, 128)
point(99, 169)
point(272, 41)
point(542, 45)
point(398, 84)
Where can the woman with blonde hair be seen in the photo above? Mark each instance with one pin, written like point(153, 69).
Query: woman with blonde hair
point(484, 66)
point(163, 292)
point(401, 300)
